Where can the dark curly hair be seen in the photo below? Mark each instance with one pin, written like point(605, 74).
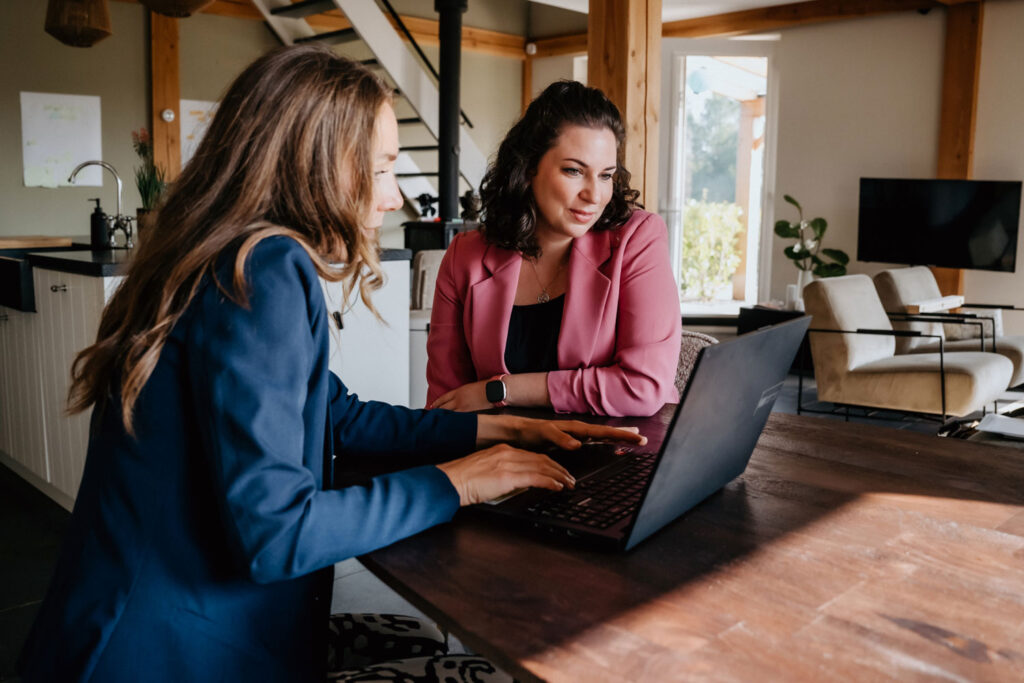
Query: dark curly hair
point(509, 208)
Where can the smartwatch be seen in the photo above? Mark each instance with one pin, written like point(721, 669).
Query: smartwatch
point(496, 391)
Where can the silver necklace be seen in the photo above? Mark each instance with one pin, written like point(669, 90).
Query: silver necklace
point(544, 297)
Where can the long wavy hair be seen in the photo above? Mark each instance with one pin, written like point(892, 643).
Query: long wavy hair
point(289, 152)
point(510, 210)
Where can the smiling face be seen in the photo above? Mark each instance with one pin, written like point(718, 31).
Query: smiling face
point(573, 182)
point(386, 195)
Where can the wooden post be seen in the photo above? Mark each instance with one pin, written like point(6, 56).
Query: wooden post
point(624, 60)
point(750, 111)
point(527, 93)
point(166, 89)
point(959, 110)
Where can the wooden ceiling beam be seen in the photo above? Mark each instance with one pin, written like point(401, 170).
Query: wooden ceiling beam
point(786, 16)
point(573, 44)
point(425, 31)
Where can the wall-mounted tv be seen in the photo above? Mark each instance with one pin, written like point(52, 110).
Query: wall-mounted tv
point(949, 223)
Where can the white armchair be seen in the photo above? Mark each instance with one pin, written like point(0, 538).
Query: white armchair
point(855, 360)
point(900, 288)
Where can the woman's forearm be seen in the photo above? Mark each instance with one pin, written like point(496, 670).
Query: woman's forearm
point(528, 390)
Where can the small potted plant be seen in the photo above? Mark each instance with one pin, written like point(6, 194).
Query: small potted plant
point(149, 178)
point(807, 253)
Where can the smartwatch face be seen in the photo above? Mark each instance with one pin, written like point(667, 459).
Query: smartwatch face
point(495, 391)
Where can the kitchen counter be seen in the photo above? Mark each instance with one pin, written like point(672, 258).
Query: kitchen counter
point(85, 262)
point(34, 242)
point(396, 254)
point(113, 262)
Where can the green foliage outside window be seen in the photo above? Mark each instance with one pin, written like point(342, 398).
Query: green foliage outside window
point(711, 253)
point(713, 135)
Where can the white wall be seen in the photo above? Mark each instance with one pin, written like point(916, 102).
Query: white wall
point(114, 69)
point(547, 70)
point(213, 50)
point(856, 98)
point(490, 93)
point(999, 142)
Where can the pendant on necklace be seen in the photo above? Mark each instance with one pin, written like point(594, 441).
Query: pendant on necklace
point(543, 297)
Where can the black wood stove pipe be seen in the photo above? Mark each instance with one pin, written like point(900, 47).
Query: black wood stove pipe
point(450, 34)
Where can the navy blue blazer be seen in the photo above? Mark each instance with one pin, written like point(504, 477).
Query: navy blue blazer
point(202, 549)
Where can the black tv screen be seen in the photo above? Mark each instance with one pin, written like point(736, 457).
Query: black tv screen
point(948, 223)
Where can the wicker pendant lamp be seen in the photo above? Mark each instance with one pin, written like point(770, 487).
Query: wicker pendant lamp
point(79, 23)
point(176, 8)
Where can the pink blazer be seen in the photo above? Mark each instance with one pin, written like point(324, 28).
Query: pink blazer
point(618, 346)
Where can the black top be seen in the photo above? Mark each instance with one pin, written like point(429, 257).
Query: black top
point(532, 344)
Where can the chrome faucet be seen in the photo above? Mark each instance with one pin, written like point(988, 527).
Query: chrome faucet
point(120, 186)
point(122, 223)
point(118, 221)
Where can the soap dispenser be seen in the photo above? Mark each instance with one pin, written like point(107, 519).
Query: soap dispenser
point(98, 239)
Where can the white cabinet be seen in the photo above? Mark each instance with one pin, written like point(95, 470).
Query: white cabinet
point(48, 446)
point(68, 308)
point(372, 357)
point(21, 403)
point(36, 352)
point(419, 327)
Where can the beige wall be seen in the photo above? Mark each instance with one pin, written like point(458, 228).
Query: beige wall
point(214, 50)
point(115, 69)
point(506, 16)
point(998, 142)
point(878, 115)
point(861, 98)
point(545, 21)
point(856, 98)
point(490, 94)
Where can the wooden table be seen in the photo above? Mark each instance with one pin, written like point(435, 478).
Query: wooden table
point(845, 552)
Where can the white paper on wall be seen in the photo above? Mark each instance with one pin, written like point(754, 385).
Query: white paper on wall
point(58, 132)
point(195, 117)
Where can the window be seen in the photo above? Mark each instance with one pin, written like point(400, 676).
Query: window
point(713, 198)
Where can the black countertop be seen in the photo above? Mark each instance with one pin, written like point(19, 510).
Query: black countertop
point(113, 262)
point(85, 262)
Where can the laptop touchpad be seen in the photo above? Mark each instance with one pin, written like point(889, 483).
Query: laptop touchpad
point(589, 458)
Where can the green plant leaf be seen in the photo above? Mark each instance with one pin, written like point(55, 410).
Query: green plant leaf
point(792, 201)
point(795, 255)
point(818, 225)
point(816, 261)
point(786, 229)
point(837, 255)
point(830, 270)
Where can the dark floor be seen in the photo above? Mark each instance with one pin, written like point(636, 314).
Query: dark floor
point(31, 526)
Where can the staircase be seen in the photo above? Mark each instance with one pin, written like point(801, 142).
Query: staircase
point(407, 71)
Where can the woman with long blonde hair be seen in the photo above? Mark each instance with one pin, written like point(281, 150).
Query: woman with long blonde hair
point(204, 533)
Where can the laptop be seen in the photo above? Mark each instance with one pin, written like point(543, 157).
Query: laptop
point(625, 493)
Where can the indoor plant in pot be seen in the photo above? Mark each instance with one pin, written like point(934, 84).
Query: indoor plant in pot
point(149, 178)
point(807, 253)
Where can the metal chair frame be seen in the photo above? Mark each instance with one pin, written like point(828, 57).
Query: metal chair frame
point(891, 333)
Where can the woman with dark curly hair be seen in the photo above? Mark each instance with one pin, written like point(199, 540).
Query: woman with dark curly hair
point(565, 298)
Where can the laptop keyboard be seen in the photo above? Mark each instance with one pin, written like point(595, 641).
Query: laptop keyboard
point(601, 502)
